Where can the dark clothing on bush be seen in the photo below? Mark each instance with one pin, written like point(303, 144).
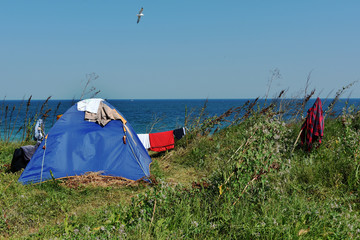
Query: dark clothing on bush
point(179, 133)
point(22, 156)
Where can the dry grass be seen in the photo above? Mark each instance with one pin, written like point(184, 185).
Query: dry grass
point(175, 173)
point(96, 179)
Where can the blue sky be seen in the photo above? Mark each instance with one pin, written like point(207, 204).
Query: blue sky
point(180, 49)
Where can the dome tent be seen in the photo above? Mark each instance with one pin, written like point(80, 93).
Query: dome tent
point(75, 146)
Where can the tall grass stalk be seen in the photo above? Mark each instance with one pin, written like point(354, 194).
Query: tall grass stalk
point(26, 117)
point(329, 110)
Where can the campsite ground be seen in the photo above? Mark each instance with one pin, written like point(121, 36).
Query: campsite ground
point(33, 210)
point(245, 181)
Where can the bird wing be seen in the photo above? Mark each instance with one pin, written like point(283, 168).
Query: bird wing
point(141, 10)
point(138, 19)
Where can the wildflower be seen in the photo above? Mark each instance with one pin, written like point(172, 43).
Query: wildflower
point(350, 226)
point(213, 225)
point(102, 228)
point(122, 229)
point(334, 205)
point(195, 223)
point(275, 223)
point(76, 231)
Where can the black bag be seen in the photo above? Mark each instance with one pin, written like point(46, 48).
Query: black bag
point(18, 161)
point(22, 156)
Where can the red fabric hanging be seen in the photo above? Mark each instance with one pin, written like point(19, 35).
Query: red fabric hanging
point(313, 127)
point(161, 141)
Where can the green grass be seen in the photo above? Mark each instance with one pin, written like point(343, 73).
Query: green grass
point(244, 182)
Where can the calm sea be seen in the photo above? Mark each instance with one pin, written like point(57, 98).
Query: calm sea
point(143, 115)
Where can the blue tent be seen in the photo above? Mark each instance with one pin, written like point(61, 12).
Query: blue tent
point(75, 146)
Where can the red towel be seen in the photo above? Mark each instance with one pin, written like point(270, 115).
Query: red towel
point(161, 141)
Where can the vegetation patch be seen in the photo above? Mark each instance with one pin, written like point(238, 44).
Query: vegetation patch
point(245, 180)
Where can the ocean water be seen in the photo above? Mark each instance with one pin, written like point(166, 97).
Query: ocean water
point(143, 115)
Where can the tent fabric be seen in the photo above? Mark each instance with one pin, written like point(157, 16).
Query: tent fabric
point(161, 141)
point(75, 146)
point(313, 127)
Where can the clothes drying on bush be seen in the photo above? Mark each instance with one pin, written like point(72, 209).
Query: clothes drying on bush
point(179, 133)
point(313, 127)
point(22, 156)
point(161, 141)
point(39, 130)
point(145, 140)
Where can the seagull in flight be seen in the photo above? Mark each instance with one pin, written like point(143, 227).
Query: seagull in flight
point(140, 14)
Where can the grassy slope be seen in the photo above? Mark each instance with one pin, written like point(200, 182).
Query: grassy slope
point(28, 210)
point(252, 186)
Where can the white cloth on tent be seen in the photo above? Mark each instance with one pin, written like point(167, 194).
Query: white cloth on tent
point(145, 140)
point(89, 105)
